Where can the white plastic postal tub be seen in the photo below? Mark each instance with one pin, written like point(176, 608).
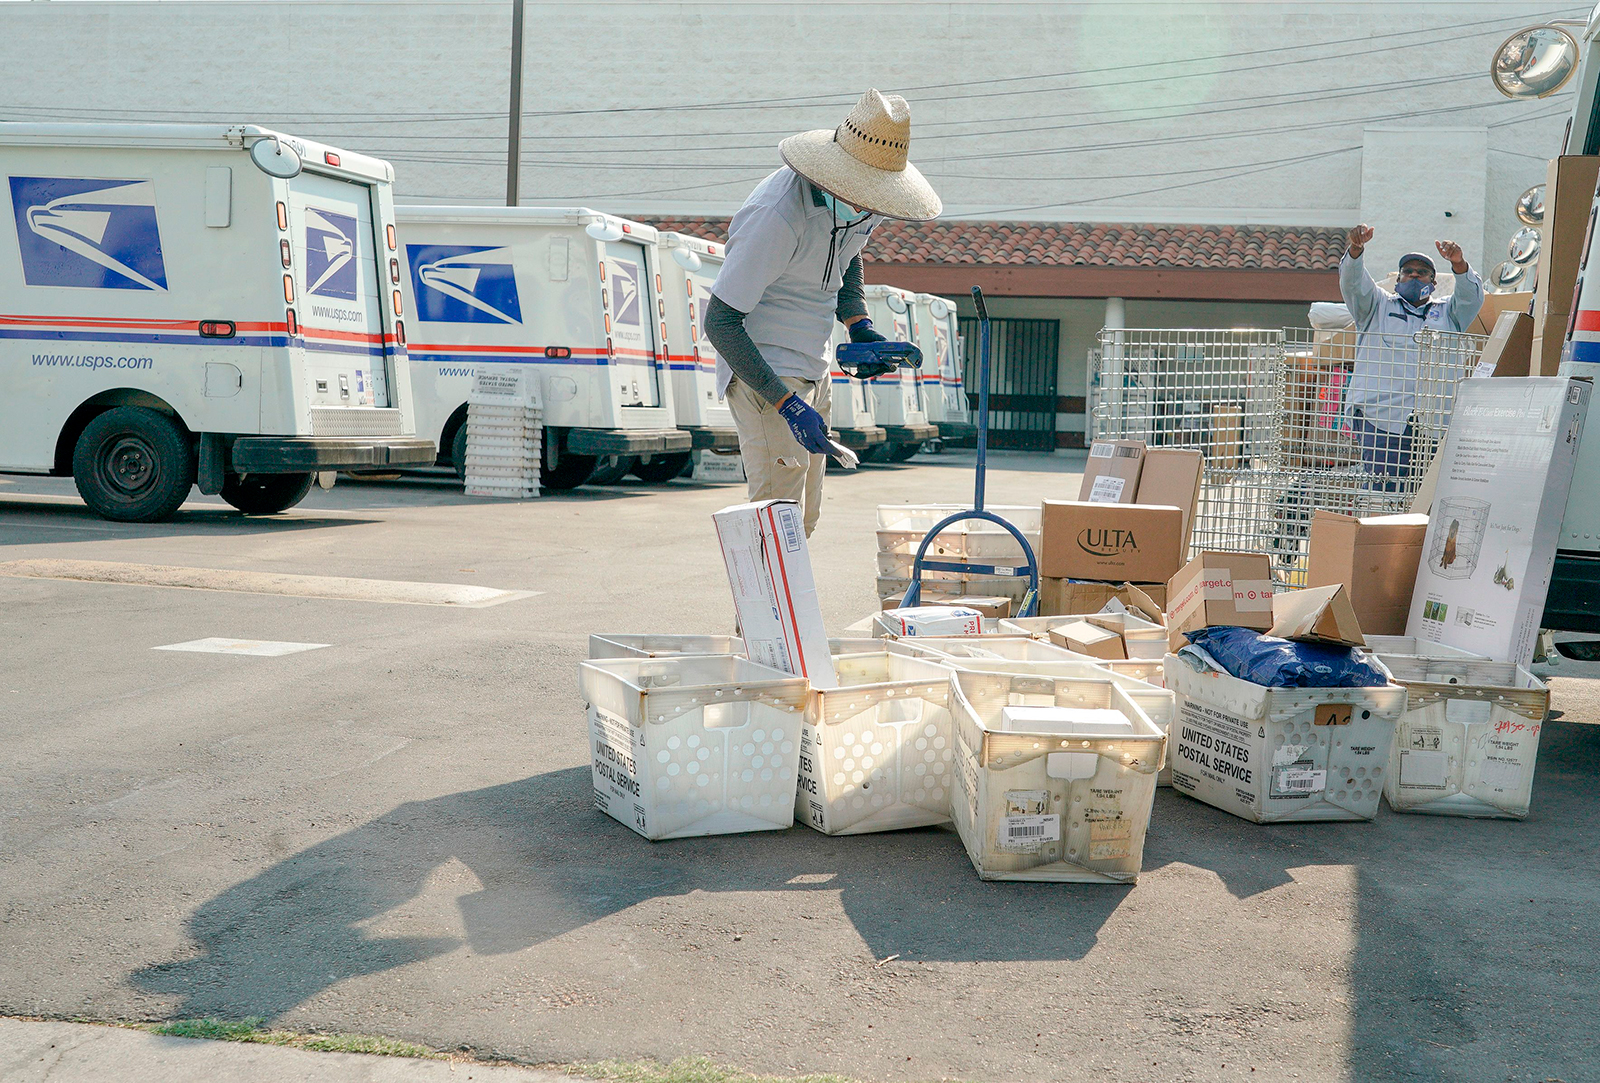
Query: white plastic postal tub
point(1052, 804)
point(1281, 754)
point(691, 745)
point(1468, 740)
point(628, 645)
point(1156, 701)
point(875, 752)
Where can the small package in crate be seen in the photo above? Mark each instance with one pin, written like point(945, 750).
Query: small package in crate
point(1015, 648)
point(1467, 742)
point(693, 745)
point(1281, 754)
point(1156, 701)
point(627, 645)
point(1063, 794)
point(875, 752)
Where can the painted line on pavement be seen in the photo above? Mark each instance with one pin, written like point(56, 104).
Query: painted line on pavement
point(241, 582)
point(261, 648)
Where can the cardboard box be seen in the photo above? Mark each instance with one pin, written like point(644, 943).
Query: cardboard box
point(1171, 476)
point(1316, 615)
point(1496, 305)
point(1568, 194)
point(769, 570)
point(1509, 350)
point(1219, 588)
point(1111, 476)
point(1139, 543)
point(1375, 557)
point(1505, 471)
point(1090, 639)
point(1071, 597)
point(993, 607)
point(1140, 638)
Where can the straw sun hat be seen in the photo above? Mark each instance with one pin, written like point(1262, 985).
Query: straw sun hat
point(863, 160)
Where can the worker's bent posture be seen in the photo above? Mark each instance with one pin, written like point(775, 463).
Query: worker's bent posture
point(792, 267)
point(1381, 403)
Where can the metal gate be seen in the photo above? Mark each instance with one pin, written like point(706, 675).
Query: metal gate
point(1022, 389)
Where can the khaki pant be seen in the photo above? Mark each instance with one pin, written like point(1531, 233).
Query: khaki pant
point(775, 465)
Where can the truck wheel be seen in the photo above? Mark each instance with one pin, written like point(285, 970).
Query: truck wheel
point(266, 494)
point(569, 471)
point(458, 452)
point(902, 452)
point(612, 468)
point(662, 468)
point(133, 465)
point(875, 453)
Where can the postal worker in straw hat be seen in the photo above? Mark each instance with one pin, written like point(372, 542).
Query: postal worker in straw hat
point(793, 267)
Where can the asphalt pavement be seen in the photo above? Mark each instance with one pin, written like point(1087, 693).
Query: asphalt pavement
point(390, 830)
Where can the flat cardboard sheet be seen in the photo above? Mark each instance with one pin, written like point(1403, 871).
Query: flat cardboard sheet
point(1171, 476)
point(1316, 615)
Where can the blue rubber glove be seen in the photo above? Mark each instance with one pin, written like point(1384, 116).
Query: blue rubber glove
point(861, 331)
point(806, 424)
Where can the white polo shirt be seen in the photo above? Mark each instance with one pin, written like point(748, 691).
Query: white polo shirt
point(776, 253)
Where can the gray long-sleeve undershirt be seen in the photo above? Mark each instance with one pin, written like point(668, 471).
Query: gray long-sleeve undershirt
point(725, 330)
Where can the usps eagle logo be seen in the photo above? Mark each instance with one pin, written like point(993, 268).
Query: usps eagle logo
point(624, 291)
point(331, 253)
point(463, 284)
point(88, 233)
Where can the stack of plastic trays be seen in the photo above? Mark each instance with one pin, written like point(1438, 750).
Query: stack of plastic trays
point(505, 440)
point(631, 645)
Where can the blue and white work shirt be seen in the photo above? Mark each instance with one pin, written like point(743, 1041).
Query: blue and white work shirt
point(1384, 384)
point(776, 254)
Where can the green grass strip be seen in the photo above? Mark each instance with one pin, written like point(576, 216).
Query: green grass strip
point(252, 1030)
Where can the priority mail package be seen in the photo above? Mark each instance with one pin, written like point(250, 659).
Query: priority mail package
point(769, 569)
point(1504, 474)
point(1111, 476)
point(930, 620)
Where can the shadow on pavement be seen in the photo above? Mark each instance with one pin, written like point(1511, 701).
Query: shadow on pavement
point(29, 522)
point(550, 864)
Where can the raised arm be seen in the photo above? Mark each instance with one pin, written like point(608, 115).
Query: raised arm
point(1360, 293)
point(1467, 299)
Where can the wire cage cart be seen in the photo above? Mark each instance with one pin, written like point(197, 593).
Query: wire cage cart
point(1290, 420)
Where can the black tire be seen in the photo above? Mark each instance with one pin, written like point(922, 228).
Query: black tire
point(874, 453)
point(266, 494)
point(133, 465)
point(662, 468)
point(610, 469)
point(458, 451)
point(902, 452)
point(569, 471)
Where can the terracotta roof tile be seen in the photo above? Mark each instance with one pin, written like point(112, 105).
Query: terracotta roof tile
point(1089, 244)
point(1095, 244)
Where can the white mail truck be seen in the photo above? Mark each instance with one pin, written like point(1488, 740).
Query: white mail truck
point(689, 267)
point(202, 304)
point(944, 398)
point(897, 396)
point(572, 293)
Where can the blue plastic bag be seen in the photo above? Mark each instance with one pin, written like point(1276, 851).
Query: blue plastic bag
point(1282, 663)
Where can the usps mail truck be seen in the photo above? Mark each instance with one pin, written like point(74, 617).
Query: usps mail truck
point(944, 398)
point(572, 293)
point(198, 303)
point(689, 267)
point(897, 396)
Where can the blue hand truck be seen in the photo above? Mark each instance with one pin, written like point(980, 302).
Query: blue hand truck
point(1030, 567)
